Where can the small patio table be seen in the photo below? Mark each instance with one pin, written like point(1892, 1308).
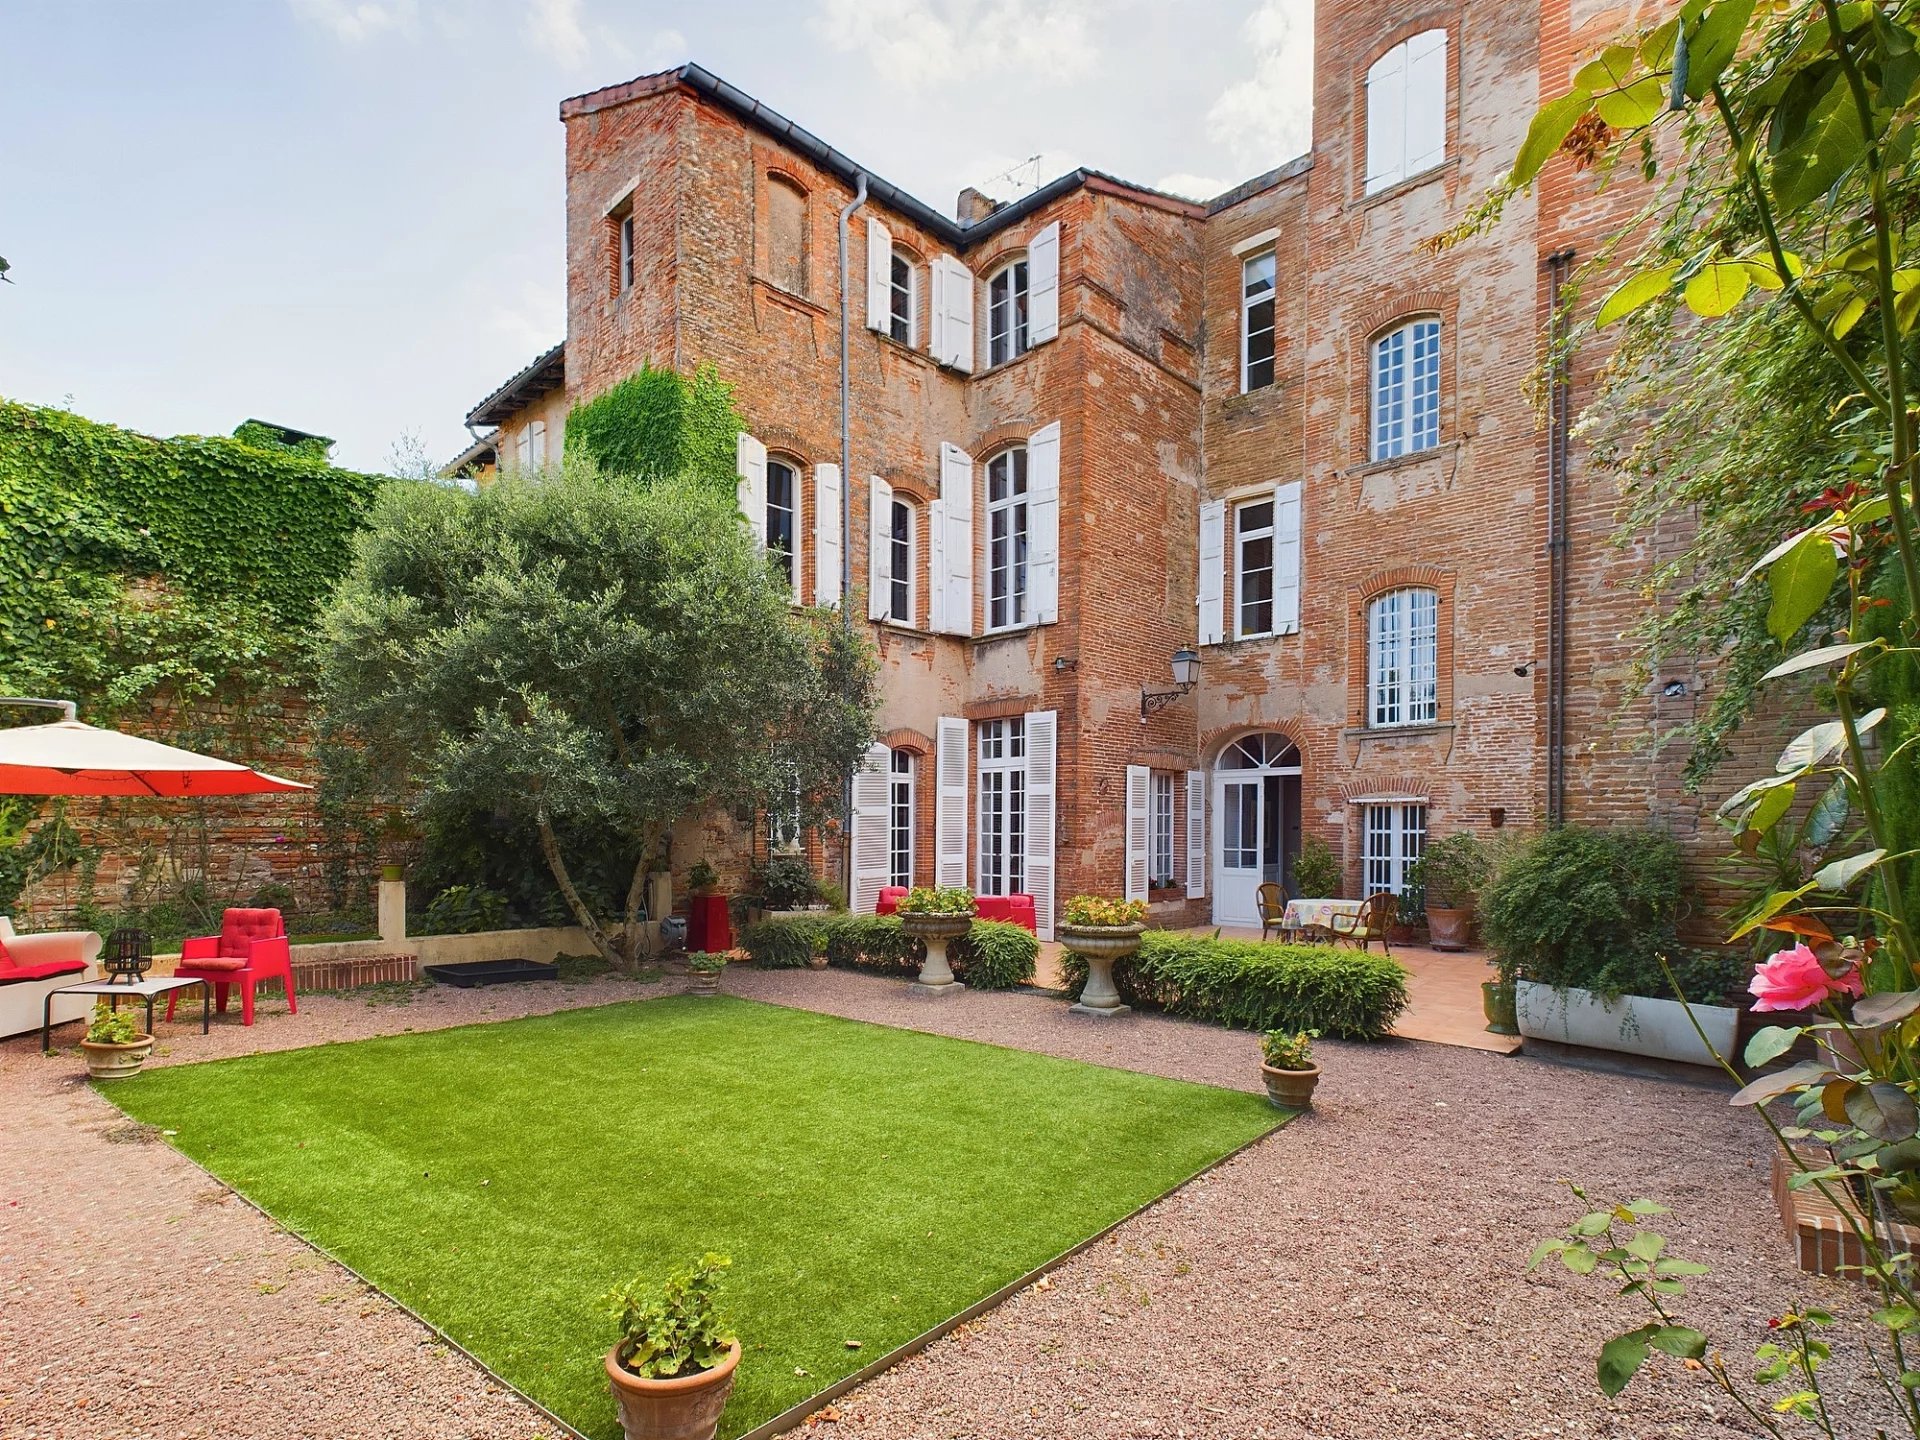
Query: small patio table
point(1317, 915)
point(148, 990)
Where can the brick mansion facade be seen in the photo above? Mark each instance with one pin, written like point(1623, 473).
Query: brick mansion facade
point(1100, 425)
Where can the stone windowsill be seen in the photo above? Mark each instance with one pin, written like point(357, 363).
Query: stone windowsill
point(1402, 462)
point(1397, 732)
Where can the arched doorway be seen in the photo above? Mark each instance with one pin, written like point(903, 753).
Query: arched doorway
point(1256, 823)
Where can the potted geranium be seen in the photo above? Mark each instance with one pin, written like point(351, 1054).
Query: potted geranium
point(115, 1046)
point(702, 877)
point(1450, 874)
point(703, 973)
point(1101, 930)
point(673, 1366)
point(1286, 1064)
point(936, 917)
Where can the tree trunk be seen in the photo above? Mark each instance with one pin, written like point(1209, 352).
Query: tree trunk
point(550, 847)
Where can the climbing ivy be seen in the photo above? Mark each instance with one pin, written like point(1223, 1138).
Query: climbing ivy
point(660, 422)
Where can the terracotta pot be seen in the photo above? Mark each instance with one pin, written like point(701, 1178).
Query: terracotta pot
point(1449, 929)
point(1498, 1001)
point(816, 962)
point(115, 1062)
point(686, 1407)
point(1290, 1089)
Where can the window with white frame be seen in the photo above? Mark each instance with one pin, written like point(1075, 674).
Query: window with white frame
point(1396, 833)
point(783, 505)
point(1160, 829)
point(899, 563)
point(1007, 313)
point(1007, 539)
point(626, 251)
point(901, 287)
point(530, 444)
point(783, 818)
point(1406, 390)
point(1407, 111)
point(1003, 807)
point(900, 819)
point(1256, 321)
point(1253, 568)
point(1403, 653)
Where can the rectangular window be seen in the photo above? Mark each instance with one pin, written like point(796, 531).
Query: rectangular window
point(783, 819)
point(1007, 314)
point(1253, 568)
point(530, 444)
point(1007, 539)
point(783, 494)
point(1256, 322)
point(1160, 829)
point(900, 820)
point(1406, 390)
point(900, 563)
point(1395, 836)
point(1003, 807)
point(626, 252)
point(900, 300)
point(1403, 645)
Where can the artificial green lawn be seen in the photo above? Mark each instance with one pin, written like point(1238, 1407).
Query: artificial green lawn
point(868, 1182)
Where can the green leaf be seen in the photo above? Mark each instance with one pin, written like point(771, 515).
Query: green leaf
point(1646, 1246)
point(1883, 1110)
point(1640, 1209)
point(1611, 69)
point(1829, 813)
point(1543, 1250)
point(1551, 125)
point(1897, 1317)
point(1680, 1267)
point(1592, 1224)
point(1771, 1043)
point(1770, 907)
point(1774, 804)
point(1639, 104)
point(1814, 745)
point(1717, 288)
point(1800, 581)
point(1771, 1087)
point(1712, 43)
point(1827, 147)
point(1580, 1261)
point(1622, 1357)
point(1841, 873)
point(1679, 1341)
point(1634, 292)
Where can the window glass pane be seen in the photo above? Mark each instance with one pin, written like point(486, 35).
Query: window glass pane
point(780, 500)
point(1257, 278)
point(1007, 314)
point(900, 564)
point(900, 820)
point(1007, 539)
point(1160, 826)
point(900, 318)
point(1253, 568)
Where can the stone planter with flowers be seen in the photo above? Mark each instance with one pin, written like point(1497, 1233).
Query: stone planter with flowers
point(936, 918)
point(1101, 930)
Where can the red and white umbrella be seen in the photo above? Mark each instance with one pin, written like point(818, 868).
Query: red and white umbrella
point(72, 758)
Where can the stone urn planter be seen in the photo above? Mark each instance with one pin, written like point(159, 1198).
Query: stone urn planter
point(687, 1407)
point(1449, 929)
point(1290, 1089)
point(108, 1061)
point(1497, 999)
point(936, 932)
point(1100, 946)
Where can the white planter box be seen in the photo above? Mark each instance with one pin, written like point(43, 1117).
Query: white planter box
point(1633, 1024)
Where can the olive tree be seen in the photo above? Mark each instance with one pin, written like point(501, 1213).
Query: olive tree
point(593, 656)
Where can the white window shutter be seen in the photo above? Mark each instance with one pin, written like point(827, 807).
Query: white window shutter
point(751, 462)
point(1426, 115)
point(937, 567)
point(1286, 558)
point(1196, 834)
point(1043, 523)
point(537, 442)
point(879, 547)
point(952, 576)
point(1387, 120)
point(879, 276)
point(1210, 588)
point(1043, 285)
point(1139, 782)
point(952, 309)
point(872, 785)
point(1043, 743)
point(828, 514)
point(950, 802)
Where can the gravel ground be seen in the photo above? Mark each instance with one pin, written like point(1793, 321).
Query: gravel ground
point(1359, 1273)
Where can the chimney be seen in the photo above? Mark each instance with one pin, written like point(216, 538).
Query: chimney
point(974, 207)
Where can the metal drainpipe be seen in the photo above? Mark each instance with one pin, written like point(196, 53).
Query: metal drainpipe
point(846, 513)
point(1559, 403)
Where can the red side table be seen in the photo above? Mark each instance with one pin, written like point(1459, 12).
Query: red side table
point(708, 927)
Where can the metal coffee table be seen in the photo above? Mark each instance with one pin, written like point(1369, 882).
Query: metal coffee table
point(147, 990)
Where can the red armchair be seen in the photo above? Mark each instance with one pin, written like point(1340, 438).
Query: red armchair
point(251, 947)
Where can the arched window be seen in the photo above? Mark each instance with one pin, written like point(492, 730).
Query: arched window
point(1268, 750)
point(1406, 390)
point(1407, 110)
point(1007, 312)
point(787, 235)
point(1007, 539)
point(899, 568)
point(783, 516)
point(1403, 652)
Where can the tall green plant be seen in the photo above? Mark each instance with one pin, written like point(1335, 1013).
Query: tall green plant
point(660, 422)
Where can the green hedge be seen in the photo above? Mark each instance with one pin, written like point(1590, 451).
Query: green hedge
point(1345, 994)
point(994, 955)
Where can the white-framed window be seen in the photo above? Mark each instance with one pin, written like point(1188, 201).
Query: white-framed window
point(902, 291)
point(1256, 321)
point(783, 512)
point(530, 444)
point(1407, 110)
point(626, 252)
point(783, 818)
point(1007, 313)
point(1007, 539)
point(1403, 654)
point(1253, 568)
point(900, 818)
point(1406, 390)
point(1003, 807)
point(899, 564)
point(1396, 833)
point(1160, 829)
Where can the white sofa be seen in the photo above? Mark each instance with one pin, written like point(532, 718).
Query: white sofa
point(22, 999)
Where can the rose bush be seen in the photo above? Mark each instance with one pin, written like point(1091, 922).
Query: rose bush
point(1797, 979)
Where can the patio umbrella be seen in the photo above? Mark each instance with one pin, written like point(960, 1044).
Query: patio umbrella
point(72, 758)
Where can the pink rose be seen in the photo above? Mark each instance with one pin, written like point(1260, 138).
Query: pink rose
point(1796, 980)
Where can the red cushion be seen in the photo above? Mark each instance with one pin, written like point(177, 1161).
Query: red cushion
point(214, 962)
point(240, 928)
point(890, 898)
point(990, 907)
point(10, 972)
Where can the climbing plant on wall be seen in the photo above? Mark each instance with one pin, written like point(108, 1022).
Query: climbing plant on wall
point(660, 422)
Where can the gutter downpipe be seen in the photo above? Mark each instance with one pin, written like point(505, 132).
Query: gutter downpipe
point(1559, 403)
point(846, 511)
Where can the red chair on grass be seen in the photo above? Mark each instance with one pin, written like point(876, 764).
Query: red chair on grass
point(251, 947)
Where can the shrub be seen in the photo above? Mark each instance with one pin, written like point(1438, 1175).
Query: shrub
point(702, 877)
point(831, 895)
point(787, 884)
point(1103, 910)
point(464, 910)
point(674, 1328)
point(1253, 986)
point(868, 942)
point(706, 962)
point(659, 422)
point(1288, 1049)
point(948, 900)
point(1589, 908)
point(993, 955)
point(1316, 870)
point(785, 943)
point(112, 1027)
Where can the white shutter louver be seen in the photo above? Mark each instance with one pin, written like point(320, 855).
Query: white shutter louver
point(879, 547)
point(1043, 285)
point(1139, 782)
point(1210, 586)
point(950, 802)
point(828, 515)
point(952, 307)
point(952, 580)
point(1286, 558)
point(937, 567)
point(1387, 120)
point(1426, 104)
point(1043, 743)
point(879, 276)
point(1043, 523)
point(872, 784)
point(751, 462)
point(1196, 834)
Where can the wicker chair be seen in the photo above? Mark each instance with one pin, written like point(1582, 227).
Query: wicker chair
point(1273, 909)
point(1369, 923)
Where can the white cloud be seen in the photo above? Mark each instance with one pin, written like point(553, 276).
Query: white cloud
point(665, 50)
point(556, 27)
point(916, 43)
point(357, 20)
point(1194, 187)
point(1267, 118)
point(531, 316)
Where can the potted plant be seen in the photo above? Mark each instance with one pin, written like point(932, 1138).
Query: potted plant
point(702, 877)
point(115, 1046)
point(787, 884)
point(1101, 930)
point(673, 1366)
point(1450, 874)
point(935, 917)
point(1500, 999)
point(1286, 1064)
point(703, 972)
point(1316, 870)
point(817, 958)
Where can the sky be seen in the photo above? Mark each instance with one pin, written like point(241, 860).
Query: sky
point(347, 215)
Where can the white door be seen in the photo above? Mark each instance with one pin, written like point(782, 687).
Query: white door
point(1238, 846)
